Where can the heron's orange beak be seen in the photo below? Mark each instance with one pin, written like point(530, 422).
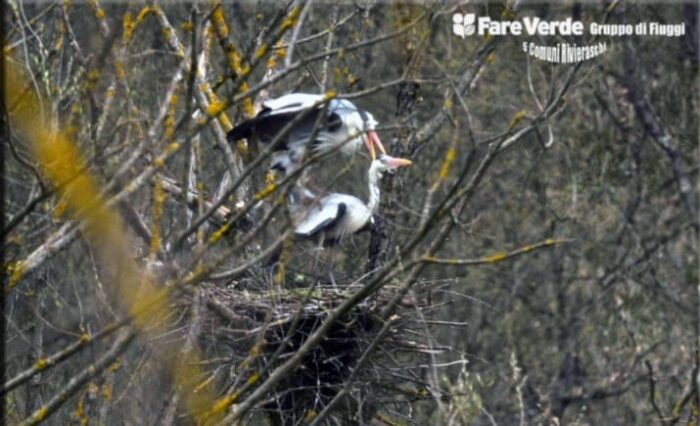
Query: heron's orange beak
point(397, 162)
point(372, 141)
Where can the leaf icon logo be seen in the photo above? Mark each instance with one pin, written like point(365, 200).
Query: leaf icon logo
point(469, 27)
point(457, 26)
point(463, 25)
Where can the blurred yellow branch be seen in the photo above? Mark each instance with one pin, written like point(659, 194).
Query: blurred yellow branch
point(64, 166)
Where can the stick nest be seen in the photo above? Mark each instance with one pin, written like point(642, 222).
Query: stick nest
point(247, 328)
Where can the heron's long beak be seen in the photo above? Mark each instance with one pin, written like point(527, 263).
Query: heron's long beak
point(372, 141)
point(394, 162)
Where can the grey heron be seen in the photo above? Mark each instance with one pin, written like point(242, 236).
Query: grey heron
point(343, 125)
point(337, 215)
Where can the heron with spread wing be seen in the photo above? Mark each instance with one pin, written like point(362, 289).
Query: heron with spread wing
point(339, 125)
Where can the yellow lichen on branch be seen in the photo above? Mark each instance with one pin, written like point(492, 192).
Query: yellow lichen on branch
point(127, 27)
point(290, 19)
point(129, 24)
point(265, 192)
point(218, 19)
point(14, 270)
point(447, 161)
point(119, 70)
point(496, 257)
point(79, 412)
point(447, 104)
point(106, 392)
point(310, 415)
point(169, 121)
point(226, 401)
point(330, 94)
point(517, 118)
point(260, 52)
point(253, 379)
point(58, 43)
point(450, 156)
point(40, 364)
point(219, 233)
point(39, 415)
point(279, 54)
point(508, 13)
point(99, 12)
point(216, 109)
point(247, 107)
point(157, 213)
point(233, 58)
point(221, 405)
point(115, 366)
point(93, 76)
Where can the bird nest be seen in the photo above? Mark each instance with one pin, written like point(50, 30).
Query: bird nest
point(245, 330)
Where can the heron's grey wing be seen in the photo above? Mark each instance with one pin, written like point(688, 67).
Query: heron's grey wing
point(267, 126)
point(243, 130)
point(325, 218)
point(263, 125)
point(275, 114)
point(291, 103)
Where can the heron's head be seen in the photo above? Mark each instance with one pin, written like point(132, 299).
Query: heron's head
point(384, 162)
point(362, 125)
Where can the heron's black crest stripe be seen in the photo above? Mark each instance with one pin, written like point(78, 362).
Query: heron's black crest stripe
point(334, 122)
point(363, 115)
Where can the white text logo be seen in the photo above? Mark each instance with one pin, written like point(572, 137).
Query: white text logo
point(468, 24)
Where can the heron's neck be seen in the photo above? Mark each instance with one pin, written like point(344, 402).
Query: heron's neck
point(374, 191)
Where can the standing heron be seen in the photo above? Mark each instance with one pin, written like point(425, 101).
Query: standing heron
point(337, 215)
point(343, 126)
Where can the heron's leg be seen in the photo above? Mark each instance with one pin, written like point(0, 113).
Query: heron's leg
point(319, 249)
point(307, 183)
point(338, 242)
point(330, 270)
point(332, 278)
point(304, 178)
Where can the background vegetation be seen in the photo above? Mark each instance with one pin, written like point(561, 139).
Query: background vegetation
point(596, 162)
